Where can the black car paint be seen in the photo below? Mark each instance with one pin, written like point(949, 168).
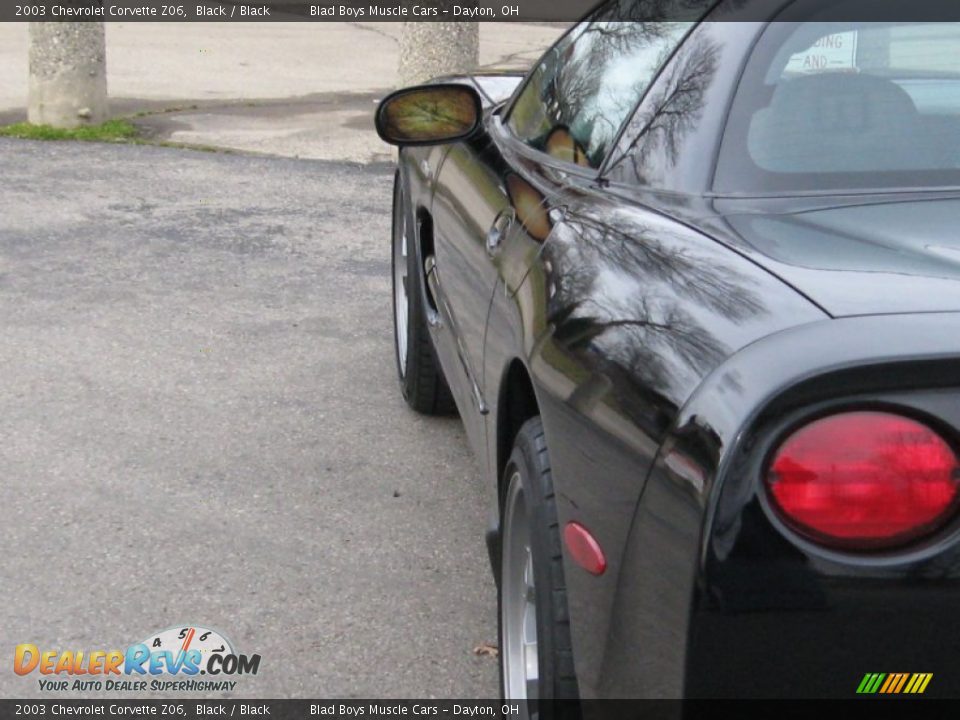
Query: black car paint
point(802, 620)
point(657, 429)
point(854, 255)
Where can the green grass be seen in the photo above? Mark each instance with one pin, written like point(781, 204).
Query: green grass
point(110, 131)
point(119, 130)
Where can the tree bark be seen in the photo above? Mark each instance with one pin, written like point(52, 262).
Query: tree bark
point(429, 49)
point(68, 74)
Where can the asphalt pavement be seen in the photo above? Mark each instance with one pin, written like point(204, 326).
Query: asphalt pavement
point(200, 418)
point(201, 425)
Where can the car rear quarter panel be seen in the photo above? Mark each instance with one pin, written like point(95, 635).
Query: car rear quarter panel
point(622, 315)
point(769, 613)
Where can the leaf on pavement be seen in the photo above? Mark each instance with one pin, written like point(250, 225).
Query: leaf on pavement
point(486, 650)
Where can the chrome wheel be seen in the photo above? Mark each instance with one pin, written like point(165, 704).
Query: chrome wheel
point(521, 662)
point(401, 315)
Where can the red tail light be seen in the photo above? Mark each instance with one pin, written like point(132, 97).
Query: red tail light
point(864, 480)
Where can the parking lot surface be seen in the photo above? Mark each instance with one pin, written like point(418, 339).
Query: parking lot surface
point(201, 425)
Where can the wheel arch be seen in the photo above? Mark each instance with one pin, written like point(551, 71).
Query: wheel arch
point(419, 198)
point(516, 403)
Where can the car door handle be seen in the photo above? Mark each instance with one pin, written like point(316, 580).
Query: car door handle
point(498, 231)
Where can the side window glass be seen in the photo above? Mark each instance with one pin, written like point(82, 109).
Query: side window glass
point(586, 86)
point(657, 136)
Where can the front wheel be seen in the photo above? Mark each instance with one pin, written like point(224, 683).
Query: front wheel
point(536, 655)
point(421, 379)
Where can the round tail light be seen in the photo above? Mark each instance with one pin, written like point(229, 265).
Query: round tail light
point(864, 480)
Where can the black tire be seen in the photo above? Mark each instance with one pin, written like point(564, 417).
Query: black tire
point(421, 378)
point(529, 466)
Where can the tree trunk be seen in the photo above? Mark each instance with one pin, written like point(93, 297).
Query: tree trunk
point(429, 49)
point(68, 74)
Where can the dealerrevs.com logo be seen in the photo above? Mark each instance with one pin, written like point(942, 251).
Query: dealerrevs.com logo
point(168, 661)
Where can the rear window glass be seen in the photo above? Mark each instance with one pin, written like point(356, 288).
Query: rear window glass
point(834, 105)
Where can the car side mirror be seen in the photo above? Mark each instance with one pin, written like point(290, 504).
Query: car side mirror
point(429, 114)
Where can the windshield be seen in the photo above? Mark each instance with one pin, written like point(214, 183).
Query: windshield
point(846, 105)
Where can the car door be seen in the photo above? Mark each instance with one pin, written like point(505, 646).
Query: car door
point(577, 319)
point(497, 195)
point(475, 215)
point(470, 206)
point(554, 137)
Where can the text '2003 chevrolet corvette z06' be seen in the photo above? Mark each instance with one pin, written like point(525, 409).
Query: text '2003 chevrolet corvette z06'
point(693, 285)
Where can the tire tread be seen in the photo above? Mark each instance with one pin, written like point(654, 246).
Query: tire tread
point(532, 445)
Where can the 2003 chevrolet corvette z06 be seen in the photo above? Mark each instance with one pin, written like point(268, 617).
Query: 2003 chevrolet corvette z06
point(693, 285)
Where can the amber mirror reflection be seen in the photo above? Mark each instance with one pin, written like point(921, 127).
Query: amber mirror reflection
point(429, 114)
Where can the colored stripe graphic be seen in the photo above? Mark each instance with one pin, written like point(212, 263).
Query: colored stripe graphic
point(892, 679)
point(894, 683)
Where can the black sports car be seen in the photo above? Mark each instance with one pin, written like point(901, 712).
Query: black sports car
point(693, 285)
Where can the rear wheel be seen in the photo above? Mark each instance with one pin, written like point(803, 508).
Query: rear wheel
point(421, 379)
point(536, 656)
